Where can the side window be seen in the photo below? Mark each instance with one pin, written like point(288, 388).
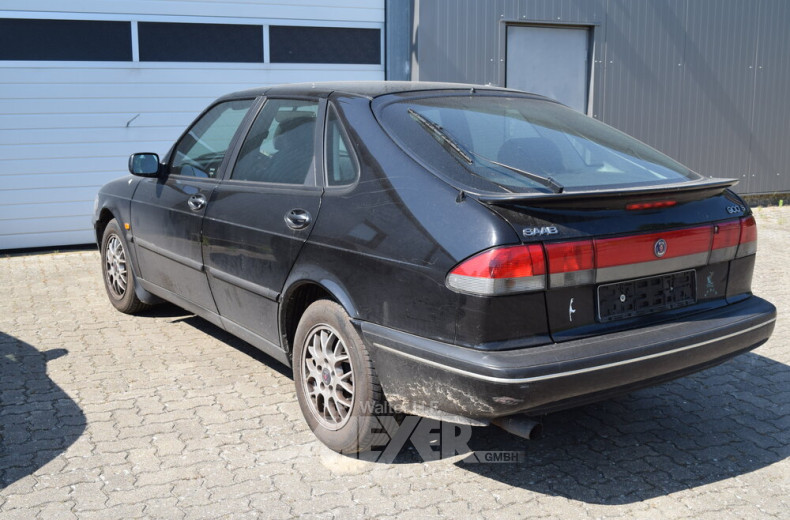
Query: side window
point(279, 146)
point(201, 150)
point(341, 164)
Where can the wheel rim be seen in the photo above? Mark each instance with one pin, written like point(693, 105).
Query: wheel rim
point(115, 266)
point(328, 377)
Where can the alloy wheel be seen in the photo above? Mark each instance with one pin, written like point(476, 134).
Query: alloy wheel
point(115, 266)
point(328, 377)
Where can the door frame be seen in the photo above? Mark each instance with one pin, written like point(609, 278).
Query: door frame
point(312, 186)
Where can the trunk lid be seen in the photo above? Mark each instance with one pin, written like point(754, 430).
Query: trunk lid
point(622, 259)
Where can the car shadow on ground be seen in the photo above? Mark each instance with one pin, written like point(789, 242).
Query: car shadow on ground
point(727, 421)
point(231, 340)
point(723, 422)
point(166, 310)
point(38, 420)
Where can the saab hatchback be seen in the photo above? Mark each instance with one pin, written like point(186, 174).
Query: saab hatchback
point(473, 254)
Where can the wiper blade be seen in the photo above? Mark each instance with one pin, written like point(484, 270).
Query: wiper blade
point(438, 132)
point(549, 182)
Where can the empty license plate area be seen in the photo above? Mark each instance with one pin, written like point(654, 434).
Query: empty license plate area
point(646, 295)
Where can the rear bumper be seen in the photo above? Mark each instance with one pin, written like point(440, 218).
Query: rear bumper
point(432, 378)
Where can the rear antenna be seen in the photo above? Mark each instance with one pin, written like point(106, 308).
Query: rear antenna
point(461, 196)
point(472, 90)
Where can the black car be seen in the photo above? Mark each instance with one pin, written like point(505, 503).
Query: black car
point(472, 254)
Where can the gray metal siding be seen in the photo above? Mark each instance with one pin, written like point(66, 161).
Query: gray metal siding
point(704, 81)
point(718, 88)
point(642, 76)
point(770, 150)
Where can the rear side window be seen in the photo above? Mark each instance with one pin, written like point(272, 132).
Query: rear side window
point(499, 143)
point(279, 147)
point(341, 164)
point(200, 152)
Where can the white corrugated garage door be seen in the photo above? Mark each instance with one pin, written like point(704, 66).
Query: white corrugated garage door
point(68, 125)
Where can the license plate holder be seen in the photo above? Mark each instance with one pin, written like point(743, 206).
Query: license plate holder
point(649, 295)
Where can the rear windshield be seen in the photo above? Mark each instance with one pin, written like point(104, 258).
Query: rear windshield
point(512, 144)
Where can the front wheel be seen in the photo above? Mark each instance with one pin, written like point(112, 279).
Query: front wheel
point(336, 383)
point(117, 271)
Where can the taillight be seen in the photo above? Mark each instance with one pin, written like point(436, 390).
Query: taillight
point(571, 263)
point(747, 245)
point(516, 269)
point(634, 249)
point(503, 270)
point(733, 239)
point(725, 241)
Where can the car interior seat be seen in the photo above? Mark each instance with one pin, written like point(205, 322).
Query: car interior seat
point(533, 154)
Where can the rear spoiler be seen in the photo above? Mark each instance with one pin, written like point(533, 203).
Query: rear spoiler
point(681, 192)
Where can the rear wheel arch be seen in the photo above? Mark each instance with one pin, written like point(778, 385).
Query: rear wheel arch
point(299, 296)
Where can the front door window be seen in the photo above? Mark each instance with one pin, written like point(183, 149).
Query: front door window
point(200, 152)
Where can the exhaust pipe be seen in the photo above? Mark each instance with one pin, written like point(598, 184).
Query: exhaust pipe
point(520, 426)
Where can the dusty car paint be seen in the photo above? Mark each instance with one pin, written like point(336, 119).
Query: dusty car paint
point(382, 247)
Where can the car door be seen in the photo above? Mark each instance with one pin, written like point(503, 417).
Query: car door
point(259, 217)
point(167, 211)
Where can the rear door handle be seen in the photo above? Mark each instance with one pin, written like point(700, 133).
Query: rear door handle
point(197, 202)
point(297, 219)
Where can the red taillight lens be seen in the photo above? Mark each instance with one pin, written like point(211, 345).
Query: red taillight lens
point(725, 241)
point(747, 245)
point(516, 269)
point(504, 270)
point(612, 252)
point(571, 263)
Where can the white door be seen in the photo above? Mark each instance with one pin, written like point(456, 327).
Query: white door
point(551, 61)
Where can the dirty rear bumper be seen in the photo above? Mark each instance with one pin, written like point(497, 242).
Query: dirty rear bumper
point(436, 379)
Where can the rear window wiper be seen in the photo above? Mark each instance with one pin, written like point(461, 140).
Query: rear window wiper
point(440, 135)
point(550, 183)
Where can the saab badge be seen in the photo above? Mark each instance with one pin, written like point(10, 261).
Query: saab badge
point(660, 247)
point(540, 231)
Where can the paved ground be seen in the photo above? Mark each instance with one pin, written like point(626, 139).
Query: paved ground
point(165, 416)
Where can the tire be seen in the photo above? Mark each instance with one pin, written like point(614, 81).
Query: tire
point(337, 386)
point(119, 281)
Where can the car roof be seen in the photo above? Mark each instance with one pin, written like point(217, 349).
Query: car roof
point(368, 89)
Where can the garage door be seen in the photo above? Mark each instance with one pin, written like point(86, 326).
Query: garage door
point(79, 92)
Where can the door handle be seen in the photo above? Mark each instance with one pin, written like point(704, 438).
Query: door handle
point(297, 219)
point(197, 202)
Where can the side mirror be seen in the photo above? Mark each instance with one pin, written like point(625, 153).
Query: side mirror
point(144, 164)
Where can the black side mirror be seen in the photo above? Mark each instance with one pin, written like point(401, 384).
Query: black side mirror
point(144, 164)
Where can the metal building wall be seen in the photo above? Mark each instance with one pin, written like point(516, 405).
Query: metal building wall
point(704, 81)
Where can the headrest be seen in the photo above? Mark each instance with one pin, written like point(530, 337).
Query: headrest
point(286, 115)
